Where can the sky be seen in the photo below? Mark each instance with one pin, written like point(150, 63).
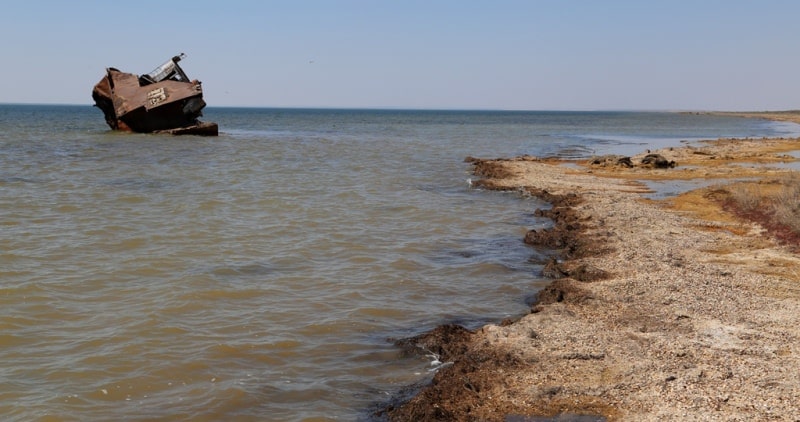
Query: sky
point(732, 55)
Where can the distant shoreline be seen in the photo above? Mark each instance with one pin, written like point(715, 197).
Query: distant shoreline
point(658, 310)
point(781, 116)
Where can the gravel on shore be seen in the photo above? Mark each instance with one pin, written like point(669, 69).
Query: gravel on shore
point(655, 313)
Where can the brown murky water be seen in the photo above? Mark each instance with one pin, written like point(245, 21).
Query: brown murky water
point(258, 275)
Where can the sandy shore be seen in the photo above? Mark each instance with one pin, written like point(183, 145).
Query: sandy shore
point(659, 310)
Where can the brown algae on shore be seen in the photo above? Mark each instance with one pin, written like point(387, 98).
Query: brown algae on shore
point(695, 317)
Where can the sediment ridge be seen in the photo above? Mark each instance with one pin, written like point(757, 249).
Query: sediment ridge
point(658, 310)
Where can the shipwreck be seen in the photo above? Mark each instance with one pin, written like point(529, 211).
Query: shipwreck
point(162, 101)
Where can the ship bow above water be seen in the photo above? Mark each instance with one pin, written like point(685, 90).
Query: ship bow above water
point(162, 101)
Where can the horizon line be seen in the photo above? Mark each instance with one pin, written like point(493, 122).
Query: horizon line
point(403, 108)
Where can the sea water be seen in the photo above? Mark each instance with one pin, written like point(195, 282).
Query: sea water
point(261, 274)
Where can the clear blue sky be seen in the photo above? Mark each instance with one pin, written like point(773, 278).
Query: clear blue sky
point(461, 54)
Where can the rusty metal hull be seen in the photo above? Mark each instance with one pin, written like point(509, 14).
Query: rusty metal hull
point(139, 104)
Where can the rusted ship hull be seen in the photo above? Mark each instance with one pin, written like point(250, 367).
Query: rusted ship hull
point(163, 101)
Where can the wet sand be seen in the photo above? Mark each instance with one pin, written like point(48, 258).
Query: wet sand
point(658, 310)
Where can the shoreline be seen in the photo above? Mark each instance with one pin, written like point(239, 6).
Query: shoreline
point(780, 116)
point(659, 310)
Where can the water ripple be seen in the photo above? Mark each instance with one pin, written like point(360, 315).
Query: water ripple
point(259, 274)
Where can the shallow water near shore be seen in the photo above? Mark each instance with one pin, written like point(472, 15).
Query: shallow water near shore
point(259, 275)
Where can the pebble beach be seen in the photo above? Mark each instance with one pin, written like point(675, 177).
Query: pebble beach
point(658, 310)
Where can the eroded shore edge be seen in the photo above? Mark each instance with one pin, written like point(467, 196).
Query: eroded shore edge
point(654, 313)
